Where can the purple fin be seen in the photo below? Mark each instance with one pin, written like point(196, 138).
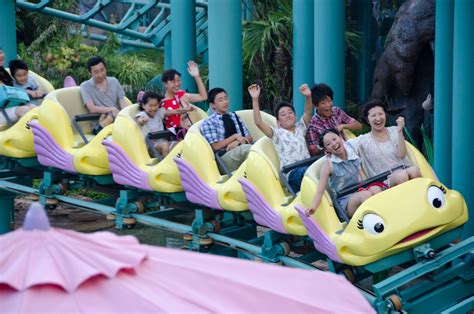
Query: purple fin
point(48, 151)
point(263, 213)
point(197, 191)
point(321, 241)
point(124, 171)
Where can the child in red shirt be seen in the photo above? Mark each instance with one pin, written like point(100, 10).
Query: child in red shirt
point(179, 101)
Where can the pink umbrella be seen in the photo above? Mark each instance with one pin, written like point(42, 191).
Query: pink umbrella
point(44, 269)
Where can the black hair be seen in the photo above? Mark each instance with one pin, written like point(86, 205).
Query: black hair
point(16, 65)
point(147, 96)
point(211, 96)
point(372, 104)
point(283, 105)
point(169, 75)
point(95, 60)
point(319, 92)
point(321, 136)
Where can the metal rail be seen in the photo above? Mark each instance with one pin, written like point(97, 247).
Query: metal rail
point(153, 34)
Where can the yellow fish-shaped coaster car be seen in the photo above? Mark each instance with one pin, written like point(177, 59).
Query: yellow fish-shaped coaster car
point(400, 218)
point(394, 220)
point(199, 172)
point(130, 162)
point(57, 142)
point(270, 202)
point(17, 140)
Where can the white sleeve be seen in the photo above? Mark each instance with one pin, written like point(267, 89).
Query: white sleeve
point(301, 125)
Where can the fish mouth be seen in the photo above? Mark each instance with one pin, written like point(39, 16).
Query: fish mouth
point(415, 235)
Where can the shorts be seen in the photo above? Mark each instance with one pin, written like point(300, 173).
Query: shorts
point(381, 185)
point(343, 201)
point(11, 114)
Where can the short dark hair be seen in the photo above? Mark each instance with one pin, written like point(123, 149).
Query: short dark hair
point(95, 60)
point(319, 92)
point(372, 104)
point(16, 65)
point(211, 96)
point(147, 96)
point(283, 105)
point(323, 134)
point(168, 75)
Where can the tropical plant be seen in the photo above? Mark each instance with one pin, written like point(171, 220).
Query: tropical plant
point(427, 150)
point(267, 49)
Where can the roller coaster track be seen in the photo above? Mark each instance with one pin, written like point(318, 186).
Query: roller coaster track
point(145, 24)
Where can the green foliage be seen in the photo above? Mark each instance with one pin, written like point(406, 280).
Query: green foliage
point(132, 72)
point(427, 150)
point(266, 50)
point(56, 54)
point(428, 145)
point(94, 195)
point(30, 25)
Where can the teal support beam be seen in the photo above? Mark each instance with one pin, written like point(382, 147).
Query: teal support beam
point(7, 211)
point(463, 106)
point(167, 52)
point(303, 50)
point(225, 49)
point(365, 64)
point(443, 90)
point(183, 39)
point(8, 33)
point(329, 43)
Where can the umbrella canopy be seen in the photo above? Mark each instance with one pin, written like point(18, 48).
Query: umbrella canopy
point(44, 269)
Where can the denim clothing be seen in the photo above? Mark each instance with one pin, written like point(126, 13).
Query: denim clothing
point(295, 177)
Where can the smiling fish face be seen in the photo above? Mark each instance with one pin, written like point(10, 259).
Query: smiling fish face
point(400, 218)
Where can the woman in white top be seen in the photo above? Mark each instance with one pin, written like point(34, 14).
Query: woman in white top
point(384, 148)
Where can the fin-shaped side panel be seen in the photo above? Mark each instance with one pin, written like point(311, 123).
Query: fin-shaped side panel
point(263, 213)
point(48, 151)
point(123, 169)
point(321, 241)
point(197, 191)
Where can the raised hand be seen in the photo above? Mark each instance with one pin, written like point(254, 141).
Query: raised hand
point(400, 124)
point(254, 91)
point(305, 90)
point(193, 69)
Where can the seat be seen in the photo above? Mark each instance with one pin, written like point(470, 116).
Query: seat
point(17, 141)
point(58, 144)
point(200, 176)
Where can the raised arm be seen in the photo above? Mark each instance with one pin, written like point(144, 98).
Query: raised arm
point(193, 70)
point(402, 147)
point(254, 91)
point(308, 104)
point(323, 182)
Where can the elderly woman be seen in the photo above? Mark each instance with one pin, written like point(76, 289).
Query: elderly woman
point(384, 148)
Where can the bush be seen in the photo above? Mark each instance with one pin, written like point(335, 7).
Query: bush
point(56, 55)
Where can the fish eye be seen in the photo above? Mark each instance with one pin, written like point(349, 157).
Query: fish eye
point(373, 223)
point(436, 196)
